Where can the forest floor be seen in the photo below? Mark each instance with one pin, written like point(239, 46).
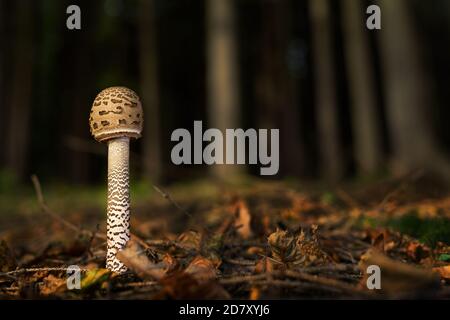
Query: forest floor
point(258, 240)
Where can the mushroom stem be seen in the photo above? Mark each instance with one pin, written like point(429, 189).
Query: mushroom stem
point(118, 209)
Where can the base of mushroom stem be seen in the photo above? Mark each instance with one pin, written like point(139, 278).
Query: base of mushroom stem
point(113, 264)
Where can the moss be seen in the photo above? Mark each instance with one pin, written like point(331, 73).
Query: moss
point(429, 231)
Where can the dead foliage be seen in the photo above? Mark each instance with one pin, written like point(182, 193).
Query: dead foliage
point(268, 242)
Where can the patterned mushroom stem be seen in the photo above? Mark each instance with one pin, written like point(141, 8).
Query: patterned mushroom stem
point(118, 222)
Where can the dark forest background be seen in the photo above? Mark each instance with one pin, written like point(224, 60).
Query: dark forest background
point(349, 102)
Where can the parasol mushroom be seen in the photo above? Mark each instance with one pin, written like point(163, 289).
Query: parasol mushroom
point(116, 116)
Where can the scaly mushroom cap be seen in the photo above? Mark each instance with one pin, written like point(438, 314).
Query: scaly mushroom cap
point(116, 112)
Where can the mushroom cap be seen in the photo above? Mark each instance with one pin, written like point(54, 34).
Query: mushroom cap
point(116, 112)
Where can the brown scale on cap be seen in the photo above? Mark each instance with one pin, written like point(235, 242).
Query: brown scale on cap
point(116, 112)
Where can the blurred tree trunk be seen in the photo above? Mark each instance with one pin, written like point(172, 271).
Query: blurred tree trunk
point(150, 91)
point(2, 72)
point(21, 89)
point(409, 93)
point(79, 97)
point(275, 87)
point(222, 75)
point(362, 88)
point(331, 161)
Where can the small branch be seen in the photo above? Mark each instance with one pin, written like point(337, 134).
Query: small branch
point(32, 270)
point(172, 201)
point(321, 280)
point(167, 196)
point(242, 279)
point(45, 208)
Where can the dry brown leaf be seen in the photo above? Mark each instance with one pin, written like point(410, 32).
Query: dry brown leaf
point(201, 269)
point(135, 258)
point(243, 220)
point(444, 272)
point(52, 285)
point(265, 265)
point(284, 247)
point(255, 293)
point(398, 278)
point(255, 250)
point(183, 286)
point(190, 240)
point(417, 251)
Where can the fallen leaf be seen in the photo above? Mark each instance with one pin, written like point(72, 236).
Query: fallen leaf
point(51, 285)
point(398, 278)
point(417, 251)
point(444, 272)
point(265, 265)
point(183, 286)
point(255, 250)
point(243, 220)
point(95, 277)
point(255, 293)
point(201, 269)
point(190, 240)
point(135, 258)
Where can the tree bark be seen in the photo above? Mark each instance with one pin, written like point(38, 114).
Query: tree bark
point(150, 90)
point(222, 75)
point(409, 95)
point(361, 77)
point(21, 90)
point(331, 161)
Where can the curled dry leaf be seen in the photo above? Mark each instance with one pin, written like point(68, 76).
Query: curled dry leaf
point(201, 269)
point(136, 259)
point(398, 278)
point(284, 247)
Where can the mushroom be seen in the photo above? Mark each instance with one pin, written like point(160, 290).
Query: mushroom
point(116, 116)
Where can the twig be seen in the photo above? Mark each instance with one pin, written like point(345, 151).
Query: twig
point(47, 210)
point(167, 196)
point(242, 279)
point(241, 262)
point(321, 280)
point(32, 270)
point(138, 284)
point(172, 201)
